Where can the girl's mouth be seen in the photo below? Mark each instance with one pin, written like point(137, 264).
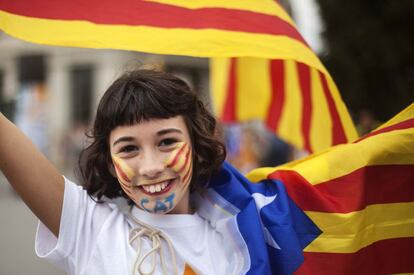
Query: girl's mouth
point(157, 188)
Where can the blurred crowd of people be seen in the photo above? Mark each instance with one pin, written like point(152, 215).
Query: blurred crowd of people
point(251, 145)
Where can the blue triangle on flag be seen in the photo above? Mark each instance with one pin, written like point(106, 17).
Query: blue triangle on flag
point(274, 228)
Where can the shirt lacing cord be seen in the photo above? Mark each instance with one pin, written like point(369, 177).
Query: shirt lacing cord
point(156, 237)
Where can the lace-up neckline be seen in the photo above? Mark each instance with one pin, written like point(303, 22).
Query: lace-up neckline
point(155, 236)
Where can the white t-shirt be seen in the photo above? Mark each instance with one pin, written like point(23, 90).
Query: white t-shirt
point(94, 239)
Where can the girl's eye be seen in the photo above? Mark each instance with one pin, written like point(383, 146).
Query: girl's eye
point(168, 142)
point(128, 149)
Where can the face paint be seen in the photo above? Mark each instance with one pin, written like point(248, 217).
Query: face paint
point(180, 161)
point(160, 206)
point(125, 174)
point(143, 203)
point(170, 200)
point(160, 185)
point(123, 171)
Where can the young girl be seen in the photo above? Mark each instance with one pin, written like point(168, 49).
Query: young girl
point(154, 144)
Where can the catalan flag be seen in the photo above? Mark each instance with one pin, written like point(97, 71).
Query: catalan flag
point(195, 28)
point(261, 67)
point(299, 102)
point(361, 196)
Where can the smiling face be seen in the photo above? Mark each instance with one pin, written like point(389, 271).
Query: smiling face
point(153, 164)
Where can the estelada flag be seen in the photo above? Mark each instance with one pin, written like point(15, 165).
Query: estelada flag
point(347, 210)
point(361, 197)
point(276, 77)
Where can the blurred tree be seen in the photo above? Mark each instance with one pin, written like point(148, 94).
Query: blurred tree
point(370, 53)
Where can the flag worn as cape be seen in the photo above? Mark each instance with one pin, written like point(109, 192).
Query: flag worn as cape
point(267, 227)
point(361, 196)
point(277, 77)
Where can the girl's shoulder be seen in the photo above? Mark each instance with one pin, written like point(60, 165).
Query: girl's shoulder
point(80, 207)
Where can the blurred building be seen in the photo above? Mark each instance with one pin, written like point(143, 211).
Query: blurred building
point(51, 93)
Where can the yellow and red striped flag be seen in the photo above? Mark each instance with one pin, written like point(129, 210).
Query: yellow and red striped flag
point(361, 196)
point(208, 28)
point(277, 78)
point(299, 102)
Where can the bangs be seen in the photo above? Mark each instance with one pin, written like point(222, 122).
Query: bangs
point(139, 104)
point(133, 100)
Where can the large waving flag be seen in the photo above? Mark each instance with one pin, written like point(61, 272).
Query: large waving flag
point(208, 28)
point(298, 101)
point(276, 77)
point(361, 196)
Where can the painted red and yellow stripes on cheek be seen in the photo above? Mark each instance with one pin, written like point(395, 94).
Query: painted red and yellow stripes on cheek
point(124, 172)
point(180, 160)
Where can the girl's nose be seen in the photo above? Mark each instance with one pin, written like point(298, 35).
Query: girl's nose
point(151, 165)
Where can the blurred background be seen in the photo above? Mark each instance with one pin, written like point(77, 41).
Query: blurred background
point(51, 94)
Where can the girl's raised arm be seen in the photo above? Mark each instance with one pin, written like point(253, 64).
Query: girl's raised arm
point(34, 178)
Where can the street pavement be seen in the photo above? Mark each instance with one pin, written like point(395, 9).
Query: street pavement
point(17, 234)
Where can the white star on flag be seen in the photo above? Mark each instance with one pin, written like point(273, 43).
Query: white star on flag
point(261, 201)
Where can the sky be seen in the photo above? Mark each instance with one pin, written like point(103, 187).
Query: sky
point(306, 16)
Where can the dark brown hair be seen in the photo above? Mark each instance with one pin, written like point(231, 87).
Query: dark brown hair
point(144, 95)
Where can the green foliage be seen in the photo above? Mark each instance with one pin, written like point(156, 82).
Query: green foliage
point(370, 53)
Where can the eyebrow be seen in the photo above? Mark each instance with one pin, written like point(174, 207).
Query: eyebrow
point(167, 131)
point(122, 139)
point(159, 133)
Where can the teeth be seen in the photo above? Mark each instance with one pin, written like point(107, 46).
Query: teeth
point(155, 187)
